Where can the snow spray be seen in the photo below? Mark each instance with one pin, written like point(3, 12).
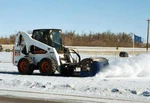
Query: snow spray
point(137, 66)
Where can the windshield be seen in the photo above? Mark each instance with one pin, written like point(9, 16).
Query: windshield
point(55, 36)
point(56, 39)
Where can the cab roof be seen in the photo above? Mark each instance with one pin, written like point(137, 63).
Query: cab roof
point(46, 29)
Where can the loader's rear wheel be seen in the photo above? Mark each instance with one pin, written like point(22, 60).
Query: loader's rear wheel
point(47, 66)
point(26, 66)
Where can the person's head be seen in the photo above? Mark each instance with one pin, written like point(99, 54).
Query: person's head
point(45, 36)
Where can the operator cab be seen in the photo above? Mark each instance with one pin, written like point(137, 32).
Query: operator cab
point(49, 37)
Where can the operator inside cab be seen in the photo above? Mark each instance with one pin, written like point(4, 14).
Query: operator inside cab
point(46, 40)
point(50, 37)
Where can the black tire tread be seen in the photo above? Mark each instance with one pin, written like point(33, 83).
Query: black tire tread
point(53, 66)
point(31, 65)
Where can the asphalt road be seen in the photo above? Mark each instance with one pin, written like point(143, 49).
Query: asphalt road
point(21, 100)
point(12, 96)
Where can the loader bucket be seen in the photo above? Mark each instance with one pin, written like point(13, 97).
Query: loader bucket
point(96, 65)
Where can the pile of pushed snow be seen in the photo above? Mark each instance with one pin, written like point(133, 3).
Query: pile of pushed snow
point(137, 66)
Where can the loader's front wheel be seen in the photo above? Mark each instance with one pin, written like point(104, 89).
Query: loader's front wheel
point(26, 66)
point(47, 66)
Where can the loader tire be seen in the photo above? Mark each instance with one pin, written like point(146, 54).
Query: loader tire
point(26, 66)
point(47, 66)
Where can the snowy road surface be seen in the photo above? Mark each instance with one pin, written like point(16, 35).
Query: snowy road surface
point(124, 80)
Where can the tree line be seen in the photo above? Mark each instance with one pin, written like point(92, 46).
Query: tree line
point(104, 39)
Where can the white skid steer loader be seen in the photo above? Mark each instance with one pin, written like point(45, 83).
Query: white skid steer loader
point(43, 51)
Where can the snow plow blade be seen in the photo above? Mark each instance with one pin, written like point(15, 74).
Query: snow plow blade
point(92, 66)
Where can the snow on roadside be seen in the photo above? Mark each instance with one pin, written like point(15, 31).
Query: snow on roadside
point(136, 89)
point(123, 88)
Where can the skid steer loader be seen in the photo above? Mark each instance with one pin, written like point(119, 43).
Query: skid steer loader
point(43, 50)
